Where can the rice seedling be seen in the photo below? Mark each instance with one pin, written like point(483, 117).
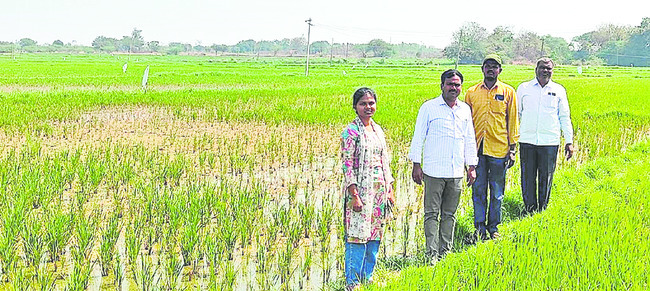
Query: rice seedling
point(79, 277)
point(57, 232)
point(145, 276)
point(44, 279)
point(133, 242)
point(109, 236)
point(19, 280)
point(229, 274)
point(85, 231)
point(172, 268)
point(34, 243)
point(118, 271)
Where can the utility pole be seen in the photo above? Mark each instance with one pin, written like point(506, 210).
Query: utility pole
point(331, 52)
point(308, 35)
point(542, 54)
point(460, 46)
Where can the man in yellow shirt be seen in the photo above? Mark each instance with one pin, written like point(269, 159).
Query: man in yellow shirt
point(494, 112)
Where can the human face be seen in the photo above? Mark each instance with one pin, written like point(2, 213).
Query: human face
point(451, 88)
point(491, 70)
point(366, 107)
point(544, 71)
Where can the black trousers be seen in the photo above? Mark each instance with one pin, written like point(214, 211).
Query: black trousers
point(537, 168)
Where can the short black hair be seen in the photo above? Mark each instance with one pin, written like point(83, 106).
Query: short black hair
point(362, 92)
point(450, 73)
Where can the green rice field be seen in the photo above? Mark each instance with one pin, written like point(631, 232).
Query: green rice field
point(224, 174)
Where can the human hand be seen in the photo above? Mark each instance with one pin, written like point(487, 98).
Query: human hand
point(510, 159)
point(391, 194)
point(417, 174)
point(356, 203)
point(568, 151)
point(471, 175)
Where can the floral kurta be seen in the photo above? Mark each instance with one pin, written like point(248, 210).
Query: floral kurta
point(365, 163)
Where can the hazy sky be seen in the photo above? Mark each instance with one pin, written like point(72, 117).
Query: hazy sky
point(229, 21)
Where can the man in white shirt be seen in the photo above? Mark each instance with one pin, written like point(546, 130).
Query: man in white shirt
point(543, 116)
point(443, 146)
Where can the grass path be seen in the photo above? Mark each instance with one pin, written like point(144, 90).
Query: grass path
point(594, 236)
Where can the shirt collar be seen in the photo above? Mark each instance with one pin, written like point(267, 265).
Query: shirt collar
point(550, 82)
point(496, 85)
point(441, 102)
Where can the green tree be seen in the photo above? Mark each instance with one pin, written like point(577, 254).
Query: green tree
point(527, 47)
point(57, 42)
point(380, 48)
point(106, 44)
point(500, 42)
point(25, 42)
point(246, 46)
point(153, 45)
point(471, 40)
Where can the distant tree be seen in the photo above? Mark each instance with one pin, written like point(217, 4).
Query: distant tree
point(500, 42)
point(200, 48)
point(106, 44)
point(298, 44)
point(174, 48)
point(637, 50)
point(25, 42)
point(246, 46)
point(557, 48)
point(154, 46)
point(57, 42)
point(527, 46)
point(607, 37)
point(471, 39)
point(137, 41)
point(219, 48)
point(320, 46)
point(380, 48)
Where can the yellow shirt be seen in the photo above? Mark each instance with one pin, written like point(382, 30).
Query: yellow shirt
point(494, 112)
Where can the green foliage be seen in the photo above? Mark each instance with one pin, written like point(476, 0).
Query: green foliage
point(594, 237)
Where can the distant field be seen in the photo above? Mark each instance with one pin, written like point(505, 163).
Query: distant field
point(224, 174)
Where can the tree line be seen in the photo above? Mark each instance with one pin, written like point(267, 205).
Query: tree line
point(608, 45)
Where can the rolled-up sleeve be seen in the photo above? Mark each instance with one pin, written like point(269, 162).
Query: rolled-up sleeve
point(349, 165)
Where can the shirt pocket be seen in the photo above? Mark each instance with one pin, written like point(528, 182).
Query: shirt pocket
point(498, 106)
point(550, 103)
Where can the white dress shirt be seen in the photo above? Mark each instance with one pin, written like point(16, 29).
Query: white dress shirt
point(443, 141)
point(543, 112)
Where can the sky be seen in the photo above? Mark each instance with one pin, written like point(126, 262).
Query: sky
point(230, 21)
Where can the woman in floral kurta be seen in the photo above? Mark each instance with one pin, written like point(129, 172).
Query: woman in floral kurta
point(367, 188)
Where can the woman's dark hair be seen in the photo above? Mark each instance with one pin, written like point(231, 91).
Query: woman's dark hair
point(450, 73)
point(360, 93)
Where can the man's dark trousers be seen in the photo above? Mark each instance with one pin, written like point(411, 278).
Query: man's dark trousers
point(537, 168)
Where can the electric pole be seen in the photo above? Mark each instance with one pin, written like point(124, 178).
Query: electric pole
point(331, 52)
point(308, 34)
point(460, 46)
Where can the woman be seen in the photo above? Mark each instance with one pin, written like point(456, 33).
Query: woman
point(368, 188)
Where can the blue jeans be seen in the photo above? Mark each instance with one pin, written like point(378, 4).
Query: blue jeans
point(489, 172)
point(360, 260)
